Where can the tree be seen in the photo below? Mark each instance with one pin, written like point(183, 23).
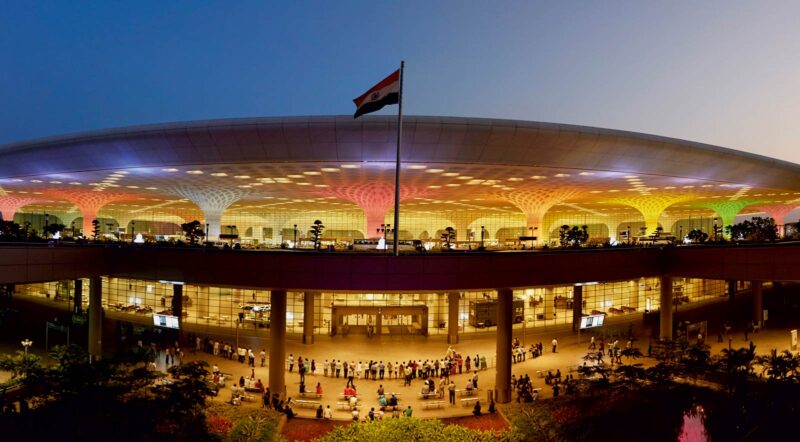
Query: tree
point(757, 229)
point(95, 229)
point(448, 237)
point(193, 231)
point(316, 233)
point(697, 236)
point(574, 236)
point(9, 231)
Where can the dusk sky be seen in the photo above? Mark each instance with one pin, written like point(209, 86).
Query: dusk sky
point(720, 72)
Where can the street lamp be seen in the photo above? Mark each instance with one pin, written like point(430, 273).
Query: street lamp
point(295, 237)
point(483, 230)
point(206, 232)
point(46, 223)
point(133, 230)
point(26, 343)
point(715, 229)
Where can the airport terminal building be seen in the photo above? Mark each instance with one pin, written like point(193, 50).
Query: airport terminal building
point(482, 205)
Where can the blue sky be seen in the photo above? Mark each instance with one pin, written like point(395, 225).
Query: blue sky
point(722, 72)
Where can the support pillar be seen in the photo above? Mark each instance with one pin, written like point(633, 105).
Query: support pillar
point(177, 304)
point(95, 317)
point(453, 299)
point(379, 322)
point(666, 308)
point(77, 307)
point(731, 290)
point(758, 303)
point(577, 306)
point(277, 343)
point(308, 317)
point(549, 303)
point(503, 362)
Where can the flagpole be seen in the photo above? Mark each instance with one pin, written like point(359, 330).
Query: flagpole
point(397, 162)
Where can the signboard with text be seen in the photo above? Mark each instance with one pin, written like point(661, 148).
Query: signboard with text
point(592, 321)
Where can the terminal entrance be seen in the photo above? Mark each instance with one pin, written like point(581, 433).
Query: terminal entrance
point(371, 320)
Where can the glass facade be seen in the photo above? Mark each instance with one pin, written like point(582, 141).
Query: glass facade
point(227, 311)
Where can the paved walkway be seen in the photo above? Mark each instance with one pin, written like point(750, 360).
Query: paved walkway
point(355, 348)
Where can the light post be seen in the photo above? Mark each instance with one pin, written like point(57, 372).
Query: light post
point(206, 232)
point(483, 230)
point(72, 228)
point(681, 233)
point(294, 244)
point(46, 224)
point(629, 234)
point(133, 230)
point(25, 344)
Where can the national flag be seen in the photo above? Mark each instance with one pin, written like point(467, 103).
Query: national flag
point(382, 94)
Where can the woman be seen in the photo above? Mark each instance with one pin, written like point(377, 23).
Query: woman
point(319, 389)
point(477, 410)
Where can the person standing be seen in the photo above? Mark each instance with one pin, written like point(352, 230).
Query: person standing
point(452, 390)
point(592, 344)
point(554, 343)
point(290, 360)
point(263, 356)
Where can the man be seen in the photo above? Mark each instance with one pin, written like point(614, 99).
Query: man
point(338, 367)
point(328, 414)
point(381, 369)
point(290, 359)
point(475, 379)
point(263, 355)
point(452, 390)
point(407, 412)
point(555, 344)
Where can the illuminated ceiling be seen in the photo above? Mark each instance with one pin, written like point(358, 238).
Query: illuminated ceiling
point(337, 164)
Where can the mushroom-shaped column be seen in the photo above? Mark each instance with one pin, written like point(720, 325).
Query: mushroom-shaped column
point(212, 202)
point(10, 204)
point(778, 212)
point(375, 199)
point(461, 222)
point(726, 209)
point(89, 202)
point(535, 202)
point(651, 206)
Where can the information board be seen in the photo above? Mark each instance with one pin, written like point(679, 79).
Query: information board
point(592, 321)
point(165, 321)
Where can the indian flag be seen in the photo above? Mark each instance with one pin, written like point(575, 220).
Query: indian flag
point(382, 94)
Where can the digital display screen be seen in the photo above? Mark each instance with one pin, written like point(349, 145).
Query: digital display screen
point(165, 321)
point(592, 321)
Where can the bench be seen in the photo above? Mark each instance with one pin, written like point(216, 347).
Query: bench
point(247, 397)
point(388, 395)
point(428, 395)
point(306, 404)
point(468, 401)
point(432, 404)
point(625, 308)
point(346, 397)
point(465, 392)
point(345, 406)
point(311, 394)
